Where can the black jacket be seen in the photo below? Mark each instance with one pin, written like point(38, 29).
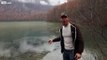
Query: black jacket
point(77, 40)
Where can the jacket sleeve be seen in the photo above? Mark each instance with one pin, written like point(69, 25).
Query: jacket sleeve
point(56, 39)
point(79, 42)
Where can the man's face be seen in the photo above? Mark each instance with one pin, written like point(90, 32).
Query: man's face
point(64, 21)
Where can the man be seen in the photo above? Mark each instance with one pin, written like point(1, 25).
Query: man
point(70, 38)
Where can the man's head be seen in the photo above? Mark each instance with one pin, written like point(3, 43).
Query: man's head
point(64, 19)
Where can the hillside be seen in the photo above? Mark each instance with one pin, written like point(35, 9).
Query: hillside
point(23, 11)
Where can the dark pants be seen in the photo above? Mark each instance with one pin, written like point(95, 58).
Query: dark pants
point(68, 55)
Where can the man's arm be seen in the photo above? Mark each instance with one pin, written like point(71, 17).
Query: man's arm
point(79, 44)
point(79, 41)
point(56, 39)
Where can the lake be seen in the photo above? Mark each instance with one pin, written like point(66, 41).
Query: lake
point(28, 41)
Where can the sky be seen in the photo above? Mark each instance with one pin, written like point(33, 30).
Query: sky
point(43, 2)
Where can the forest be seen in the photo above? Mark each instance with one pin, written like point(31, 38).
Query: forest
point(82, 12)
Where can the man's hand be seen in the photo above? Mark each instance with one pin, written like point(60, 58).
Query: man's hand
point(78, 56)
point(50, 42)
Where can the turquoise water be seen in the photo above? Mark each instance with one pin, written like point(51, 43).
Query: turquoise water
point(21, 39)
point(14, 30)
